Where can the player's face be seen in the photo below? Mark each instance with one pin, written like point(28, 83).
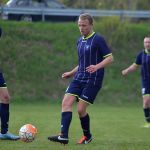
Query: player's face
point(147, 43)
point(85, 27)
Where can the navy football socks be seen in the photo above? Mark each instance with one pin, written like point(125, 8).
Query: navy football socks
point(4, 114)
point(147, 114)
point(85, 124)
point(66, 118)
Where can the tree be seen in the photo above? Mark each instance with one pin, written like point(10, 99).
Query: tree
point(109, 4)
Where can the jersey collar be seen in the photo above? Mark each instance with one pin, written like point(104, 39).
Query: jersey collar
point(147, 52)
point(90, 35)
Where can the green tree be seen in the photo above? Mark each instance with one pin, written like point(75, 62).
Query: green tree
point(144, 4)
point(109, 4)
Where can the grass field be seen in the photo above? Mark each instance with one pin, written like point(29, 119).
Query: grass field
point(113, 127)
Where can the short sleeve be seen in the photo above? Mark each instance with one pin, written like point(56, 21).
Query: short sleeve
point(138, 60)
point(103, 47)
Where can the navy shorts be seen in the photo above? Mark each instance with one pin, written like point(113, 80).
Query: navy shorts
point(146, 88)
point(83, 91)
point(2, 81)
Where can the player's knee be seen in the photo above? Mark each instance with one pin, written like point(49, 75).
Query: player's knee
point(5, 99)
point(66, 106)
point(67, 103)
point(146, 103)
point(81, 112)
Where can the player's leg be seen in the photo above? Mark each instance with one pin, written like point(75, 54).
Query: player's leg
point(73, 91)
point(87, 97)
point(85, 122)
point(66, 115)
point(4, 111)
point(66, 118)
point(146, 108)
point(146, 102)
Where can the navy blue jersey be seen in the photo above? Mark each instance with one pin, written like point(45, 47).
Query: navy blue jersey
point(2, 81)
point(0, 36)
point(91, 51)
point(143, 59)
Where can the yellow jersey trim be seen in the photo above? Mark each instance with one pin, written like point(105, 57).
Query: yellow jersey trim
point(90, 35)
point(136, 64)
point(4, 87)
point(72, 95)
point(77, 97)
point(146, 51)
point(84, 101)
point(146, 95)
point(107, 55)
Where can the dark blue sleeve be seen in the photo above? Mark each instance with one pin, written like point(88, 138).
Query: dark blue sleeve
point(105, 51)
point(138, 60)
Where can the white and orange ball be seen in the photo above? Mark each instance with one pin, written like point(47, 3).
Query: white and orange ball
point(27, 133)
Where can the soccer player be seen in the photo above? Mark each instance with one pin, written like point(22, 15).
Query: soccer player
point(4, 109)
point(93, 56)
point(143, 60)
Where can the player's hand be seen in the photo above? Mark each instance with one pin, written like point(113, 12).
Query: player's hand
point(91, 68)
point(66, 75)
point(124, 72)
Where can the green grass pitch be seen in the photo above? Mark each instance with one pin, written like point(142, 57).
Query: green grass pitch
point(113, 127)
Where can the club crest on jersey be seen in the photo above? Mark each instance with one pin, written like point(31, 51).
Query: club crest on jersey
point(143, 90)
point(87, 47)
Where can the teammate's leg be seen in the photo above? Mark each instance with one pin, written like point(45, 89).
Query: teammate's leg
point(146, 108)
point(66, 118)
point(4, 111)
point(146, 102)
point(4, 115)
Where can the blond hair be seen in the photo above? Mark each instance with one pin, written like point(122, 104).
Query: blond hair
point(86, 16)
point(147, 36)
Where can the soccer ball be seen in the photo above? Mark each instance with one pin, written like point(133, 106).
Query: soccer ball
point(27, 133)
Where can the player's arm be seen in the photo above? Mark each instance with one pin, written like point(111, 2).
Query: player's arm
point(107, 60)
point(69, 74)
point(131, 68)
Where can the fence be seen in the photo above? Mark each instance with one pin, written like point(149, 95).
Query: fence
point(75, 12)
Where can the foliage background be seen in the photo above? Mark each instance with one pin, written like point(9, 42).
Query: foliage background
point(109, 4)
point(34, 55)
point(105, 4)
